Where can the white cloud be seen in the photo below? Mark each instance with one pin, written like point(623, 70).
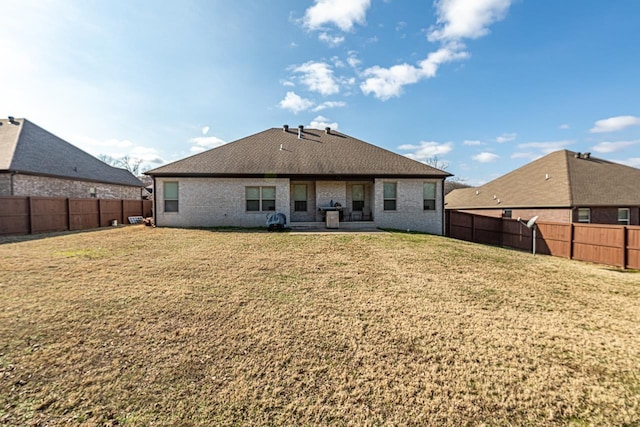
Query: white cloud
point(485, 157)
point(471, 142)
point(318, 77)
point(564, 126)
point(353, 60)
point(458, 19)
point(295, 103)
point(332, 41)
point(634, 162)
point(614, 124)
point(426, 150)
point(117, 148)
point(386, 83)
point(547, 147)
point(343, 14)
point(205, 130)
point(506, 137)
point(321, 122)
point(527, 155)
point(610, 147)
point(287, 83)
point(330, 104)
point(202, 143)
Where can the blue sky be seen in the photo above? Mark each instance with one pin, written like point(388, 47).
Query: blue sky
point(483, 85)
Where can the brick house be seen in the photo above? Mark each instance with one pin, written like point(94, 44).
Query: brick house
point(302, 173)
point(563, 186)
point(34, 162)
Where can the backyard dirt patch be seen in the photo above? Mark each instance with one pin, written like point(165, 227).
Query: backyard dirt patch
point(138, 325)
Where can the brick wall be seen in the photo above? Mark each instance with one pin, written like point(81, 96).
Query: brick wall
point(217, 202)
point(609, 215)
point(550, 215)
point(40, 186)
point(409, 213)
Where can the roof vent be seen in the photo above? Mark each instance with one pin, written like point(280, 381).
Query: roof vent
point(300, 130)
point(586, 156)
point(327, 130)
point(285, 128)
point(12, 120)
point(546, 176)
point(577, 155)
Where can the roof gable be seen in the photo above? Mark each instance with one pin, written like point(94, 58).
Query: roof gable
point(559, 179)
point(317, 152)
point(30, 149)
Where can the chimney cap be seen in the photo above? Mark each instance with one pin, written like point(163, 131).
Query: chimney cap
point(285, 128)
point(327, 130)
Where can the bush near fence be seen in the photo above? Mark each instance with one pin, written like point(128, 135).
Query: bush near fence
point(32, 215)
point(617, 245)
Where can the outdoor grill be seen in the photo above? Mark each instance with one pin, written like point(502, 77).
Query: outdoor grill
point(276, 221)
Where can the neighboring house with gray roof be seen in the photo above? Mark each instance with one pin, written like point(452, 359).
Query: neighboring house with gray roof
point(34, 162)
point(563, 186)
point(301, 173)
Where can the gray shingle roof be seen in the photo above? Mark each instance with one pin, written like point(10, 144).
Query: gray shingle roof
point(280, 153)
point(559, 179)
point(29, 149)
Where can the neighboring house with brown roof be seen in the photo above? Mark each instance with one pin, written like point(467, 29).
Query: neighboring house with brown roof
point(34, 162)
point(563, 186)
point(300, 173)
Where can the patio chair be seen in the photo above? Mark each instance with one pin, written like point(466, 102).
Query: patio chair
point(366, 214)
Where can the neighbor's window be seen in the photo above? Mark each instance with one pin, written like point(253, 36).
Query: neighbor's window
point(300, 197)
point(92, 192)
point(389, 196)
point(261, 198)
point(623, 216)
point(357, 197)
point(507, 213)
point(429, 196)
point(171, 197)
point(584, 215)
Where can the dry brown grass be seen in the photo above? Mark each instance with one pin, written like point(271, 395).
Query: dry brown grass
point(146, 326)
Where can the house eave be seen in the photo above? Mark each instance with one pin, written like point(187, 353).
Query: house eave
point(20, 172)
point(329, 177)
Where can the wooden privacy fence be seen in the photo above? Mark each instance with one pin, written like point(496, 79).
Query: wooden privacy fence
point(617, 245)
point(31, 215)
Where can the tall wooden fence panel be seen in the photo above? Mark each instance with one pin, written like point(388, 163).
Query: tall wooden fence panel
point(14, 215)
point(633, 247)
point(616, 245)
point(25, 215)
point(48, 214)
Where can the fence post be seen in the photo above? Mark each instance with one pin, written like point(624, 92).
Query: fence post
point(68, 214)
point(473, 228)
point(30, 215)
point(625, 241)
point(571, 232)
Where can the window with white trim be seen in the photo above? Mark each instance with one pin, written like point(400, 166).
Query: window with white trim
point(390, 191)
point(584, 215)
point(429, 196)
point(623, 216)
point(171, 196)
point(93, 193)
point(260, 199)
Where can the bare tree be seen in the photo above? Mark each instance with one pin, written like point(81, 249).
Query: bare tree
point(127, 162)
point(435, 162)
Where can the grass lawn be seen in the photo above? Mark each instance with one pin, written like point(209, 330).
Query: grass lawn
point(141, 326)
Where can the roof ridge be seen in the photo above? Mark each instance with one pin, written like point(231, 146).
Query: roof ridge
point(568, 153)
